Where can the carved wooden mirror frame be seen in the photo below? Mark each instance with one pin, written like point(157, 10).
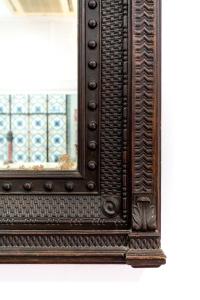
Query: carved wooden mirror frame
point(109, 210)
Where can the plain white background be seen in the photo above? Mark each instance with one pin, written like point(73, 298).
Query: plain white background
point(180, 192)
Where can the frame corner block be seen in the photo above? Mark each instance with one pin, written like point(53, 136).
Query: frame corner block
point(151, 258)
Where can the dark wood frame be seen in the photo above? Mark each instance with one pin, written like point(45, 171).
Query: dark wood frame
point(108, 211)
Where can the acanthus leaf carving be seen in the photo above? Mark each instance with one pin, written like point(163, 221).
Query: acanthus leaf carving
point(143, 215)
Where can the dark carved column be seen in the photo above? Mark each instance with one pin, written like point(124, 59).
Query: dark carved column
point(145, 236)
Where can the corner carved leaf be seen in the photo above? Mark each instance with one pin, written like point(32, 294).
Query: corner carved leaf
point(143, 217)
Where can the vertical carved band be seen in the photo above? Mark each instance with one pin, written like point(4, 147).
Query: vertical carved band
point(145, 100)
point(111, 138)
point(114, 105)
point(125, 109)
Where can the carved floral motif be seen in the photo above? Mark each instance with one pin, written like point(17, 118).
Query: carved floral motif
point(143, 214)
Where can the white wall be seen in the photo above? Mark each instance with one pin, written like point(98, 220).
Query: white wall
point(38, 54)
point(179, 279)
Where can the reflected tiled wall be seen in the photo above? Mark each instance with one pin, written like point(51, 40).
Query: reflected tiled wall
point(44, 127)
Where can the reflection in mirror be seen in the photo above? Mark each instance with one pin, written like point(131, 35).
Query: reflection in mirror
point(38, 84)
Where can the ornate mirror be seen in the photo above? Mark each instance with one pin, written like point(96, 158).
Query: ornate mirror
point(80, 132)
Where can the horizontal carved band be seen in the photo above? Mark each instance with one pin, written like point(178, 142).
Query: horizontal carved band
point(71, 240)
point(59, 209)
point(43, 241)
point(48, 208)
point(145, 243)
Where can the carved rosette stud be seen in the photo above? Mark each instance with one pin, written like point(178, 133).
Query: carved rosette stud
point(110, 206)
point(143, 214)
point(92, 23)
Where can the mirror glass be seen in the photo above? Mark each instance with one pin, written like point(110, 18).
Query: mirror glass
point(38, 84)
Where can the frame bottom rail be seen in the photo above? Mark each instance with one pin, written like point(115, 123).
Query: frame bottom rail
point(135, 258)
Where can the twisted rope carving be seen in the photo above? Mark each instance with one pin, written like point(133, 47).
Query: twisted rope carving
point(145, 243)
point(63, 241)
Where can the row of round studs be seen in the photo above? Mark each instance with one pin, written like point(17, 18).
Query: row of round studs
point(92, 85)
point(48, 186)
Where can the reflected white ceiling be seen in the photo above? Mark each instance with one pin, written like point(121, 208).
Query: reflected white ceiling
point(4, 10)
point(30, 7)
